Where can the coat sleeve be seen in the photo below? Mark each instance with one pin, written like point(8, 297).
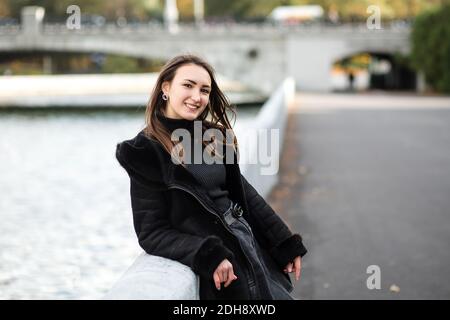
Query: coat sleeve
point(284, 246)
point(157, 237)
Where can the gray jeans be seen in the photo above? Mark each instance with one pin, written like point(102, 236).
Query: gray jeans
point(262, 286)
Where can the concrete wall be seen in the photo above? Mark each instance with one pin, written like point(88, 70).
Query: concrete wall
point(157, 278)
point(268, 130)
point(97, 90)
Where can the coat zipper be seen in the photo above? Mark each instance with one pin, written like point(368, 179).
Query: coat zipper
point(173, 186)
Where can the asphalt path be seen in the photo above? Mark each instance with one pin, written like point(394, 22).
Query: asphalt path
point(366, 181)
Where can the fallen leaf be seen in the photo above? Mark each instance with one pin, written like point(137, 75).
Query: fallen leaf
point(394, 288)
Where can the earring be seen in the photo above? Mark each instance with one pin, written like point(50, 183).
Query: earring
point(165, 97)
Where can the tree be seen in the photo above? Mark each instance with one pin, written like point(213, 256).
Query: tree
point(431, 47)
point(347, 10)
point(140, 9)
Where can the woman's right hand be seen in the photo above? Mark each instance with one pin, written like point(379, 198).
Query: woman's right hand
point(224, 273)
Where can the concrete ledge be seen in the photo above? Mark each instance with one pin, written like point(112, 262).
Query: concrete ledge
point(272, 116)
point(156, 278)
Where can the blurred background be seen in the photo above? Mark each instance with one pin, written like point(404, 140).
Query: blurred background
point(365, 174)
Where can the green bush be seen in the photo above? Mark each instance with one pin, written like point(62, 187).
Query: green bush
point(119, 64)
point(431, 47)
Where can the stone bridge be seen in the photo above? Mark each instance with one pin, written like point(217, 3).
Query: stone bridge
point(260, 56)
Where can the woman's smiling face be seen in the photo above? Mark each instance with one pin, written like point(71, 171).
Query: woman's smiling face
point(188, 92)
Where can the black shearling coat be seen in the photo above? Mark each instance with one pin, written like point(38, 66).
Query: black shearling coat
point(174, 218)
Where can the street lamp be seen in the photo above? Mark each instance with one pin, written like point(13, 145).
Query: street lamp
point(199, 12)
point(171, 16)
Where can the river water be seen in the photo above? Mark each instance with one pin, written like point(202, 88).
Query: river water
point(66, 229)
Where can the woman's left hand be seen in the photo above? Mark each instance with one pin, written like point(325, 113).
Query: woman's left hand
point(296, 267)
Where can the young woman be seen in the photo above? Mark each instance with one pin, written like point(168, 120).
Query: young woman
point(202, 214)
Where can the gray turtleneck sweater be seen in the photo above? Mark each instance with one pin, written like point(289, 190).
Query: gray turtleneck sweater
point(211, 176)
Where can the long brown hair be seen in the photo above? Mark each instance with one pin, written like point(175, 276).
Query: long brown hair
point(216, 109)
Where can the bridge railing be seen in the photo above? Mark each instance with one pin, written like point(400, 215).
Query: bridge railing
point(156, 26)
point(10, 29)
point(156, 278)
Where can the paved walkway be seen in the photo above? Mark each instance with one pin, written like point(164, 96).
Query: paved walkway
point(366, 180)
